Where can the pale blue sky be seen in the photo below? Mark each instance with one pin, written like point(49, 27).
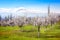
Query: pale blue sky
point(31, 4)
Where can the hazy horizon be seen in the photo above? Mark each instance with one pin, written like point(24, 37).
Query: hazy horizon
point(31, 7)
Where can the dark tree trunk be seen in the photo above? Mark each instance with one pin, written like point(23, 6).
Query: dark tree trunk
point(38, 31)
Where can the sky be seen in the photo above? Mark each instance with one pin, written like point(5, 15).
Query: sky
point(21, 7)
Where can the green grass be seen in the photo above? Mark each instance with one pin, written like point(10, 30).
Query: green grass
point(29, 28)
point(9, 28)
point(15, 33)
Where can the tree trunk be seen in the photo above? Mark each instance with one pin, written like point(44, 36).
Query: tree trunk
point(38, 31)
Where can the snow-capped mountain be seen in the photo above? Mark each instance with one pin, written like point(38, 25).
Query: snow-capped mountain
point(21, 11)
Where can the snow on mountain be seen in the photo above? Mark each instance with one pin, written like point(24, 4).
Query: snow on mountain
point(21, 11)
point(18, 11)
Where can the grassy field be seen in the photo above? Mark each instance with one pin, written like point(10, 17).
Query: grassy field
point(29, 32)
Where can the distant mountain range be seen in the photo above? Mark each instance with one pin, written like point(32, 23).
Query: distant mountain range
point(23, 12)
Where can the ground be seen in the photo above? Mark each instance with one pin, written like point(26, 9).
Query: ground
point(29, 32)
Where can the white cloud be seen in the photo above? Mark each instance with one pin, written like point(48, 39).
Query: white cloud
point(22, 9)
point(4, 10)
point(25, 10)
